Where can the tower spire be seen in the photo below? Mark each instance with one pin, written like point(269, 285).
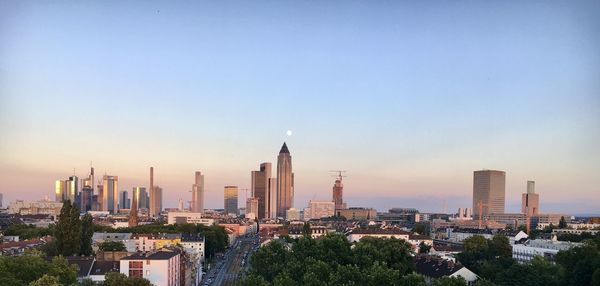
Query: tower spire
point(284, 149)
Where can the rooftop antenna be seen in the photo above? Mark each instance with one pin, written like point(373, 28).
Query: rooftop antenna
point(339, 174)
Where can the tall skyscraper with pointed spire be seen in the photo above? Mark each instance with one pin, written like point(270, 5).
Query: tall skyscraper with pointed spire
point(285, 181)
point(198, 193)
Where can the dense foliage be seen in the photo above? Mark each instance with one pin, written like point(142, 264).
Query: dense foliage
point(118, 279)
point(68, 230)
point(332, 260)
point(112, 246)
point(492, 261)
point(215, 236)
point(29, 267)
point(25, 231)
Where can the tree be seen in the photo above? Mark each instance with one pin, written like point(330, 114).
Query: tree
point(424, 248)
point(22, 270)
point(562, 223)
point(306, 229)
point(449, 281)
point(118, 279)
point(112, 246)
point(67, 231)
point(46, 280)
point(87, 231)
point(65, 272)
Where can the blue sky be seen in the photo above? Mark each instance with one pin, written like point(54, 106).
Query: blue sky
point(409, 98)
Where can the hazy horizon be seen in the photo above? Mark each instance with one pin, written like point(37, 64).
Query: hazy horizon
point(409, 98)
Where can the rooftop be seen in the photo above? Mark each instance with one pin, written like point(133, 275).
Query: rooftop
point(435, 267)
point(159, 255)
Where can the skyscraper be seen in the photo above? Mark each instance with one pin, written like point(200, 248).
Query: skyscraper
point(60, 190)
point(251, 207)
point(72, 190)
point(230, 195)
point(263, 190)
point(158, 193)
point(152, 204)
point(110, 193)
point(198, 193)
point(142, 197)
point(1, 200)
point(488, 192)
point(123, 200)
point(133, 212)
point(338, 193)
point(272, 198)
point(285, 181)
point(530, 201)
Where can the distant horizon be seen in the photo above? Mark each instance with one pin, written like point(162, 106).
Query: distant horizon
point(409, 98)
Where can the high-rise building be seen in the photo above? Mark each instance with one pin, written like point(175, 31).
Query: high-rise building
point(86, 198)
point(251, 208)
point(338, 193)
point(142, 197)
point(152, 204)
point(60, 190)
point(285, 181)
point(133, 212)
point(198, 193)
point(110, 193)
point(488, 192)
point(123, 200)
point(264, 191)
point(72, 185)
point(530, 201)
point(272, 206)
point(158, 193)
point(231, 199)
point(180, 205)
point(99, 198)
point(1, 200)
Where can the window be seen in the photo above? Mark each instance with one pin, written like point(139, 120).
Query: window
point(147, 262)
point(136, 269)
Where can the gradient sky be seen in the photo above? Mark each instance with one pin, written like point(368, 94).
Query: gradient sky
point(409, 98)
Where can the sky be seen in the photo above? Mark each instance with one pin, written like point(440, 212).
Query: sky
point(409, 98)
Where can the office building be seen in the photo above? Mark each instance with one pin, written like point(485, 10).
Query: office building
point(198, 193)
point(158, 192)
point(231, 199)
point(188, 217)
point(142, 197)
point(285, 181)
point(1, 200)
point(318, 209)
point(251, 208)
point(86, 202)
point(530, 201)
point(293, 214)
point(60, 190)
point(35, 208)
point(357, 213)
point(488, 192)
point(72, 188)
point(338, 193)
point(152, 202)
point(124, 202)
point(264, 190)
point(133, 211)
point(110, 193)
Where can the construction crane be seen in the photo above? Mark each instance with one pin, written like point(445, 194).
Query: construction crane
point(480, 206)
point(339, 173)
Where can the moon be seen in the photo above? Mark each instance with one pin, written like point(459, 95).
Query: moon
point(289, 133)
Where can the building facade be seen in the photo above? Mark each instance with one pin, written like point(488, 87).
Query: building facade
point(489, 192)
point(285, 181)
point(530, 201)
point(198, 193)
point(263, 190)
point(161, 268)
point(230, 197)
point(338, 193)
point(319, 209)
point(110, 193)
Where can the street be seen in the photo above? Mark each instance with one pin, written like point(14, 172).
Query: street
point(230, 269)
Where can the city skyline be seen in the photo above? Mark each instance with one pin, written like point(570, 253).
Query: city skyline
point(409, 98)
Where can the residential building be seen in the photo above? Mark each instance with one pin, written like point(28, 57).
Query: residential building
point(413, 239)
point(161, 268)
point(526, 251)
point(153, 242)
point(285, 181)
point(188, 217)
point(319, 209)
point(357, 213)
point(198, 193)
point(35, 208)
point(194, 246)
point(293, 214)
point(488, 192)
point(433, 267)
point(231, 199)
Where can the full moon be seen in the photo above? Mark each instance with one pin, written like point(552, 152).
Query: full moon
point(289, 133)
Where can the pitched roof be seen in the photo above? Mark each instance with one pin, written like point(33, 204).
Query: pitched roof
point(284, 149)
point(435, 267)
point(103, 267)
